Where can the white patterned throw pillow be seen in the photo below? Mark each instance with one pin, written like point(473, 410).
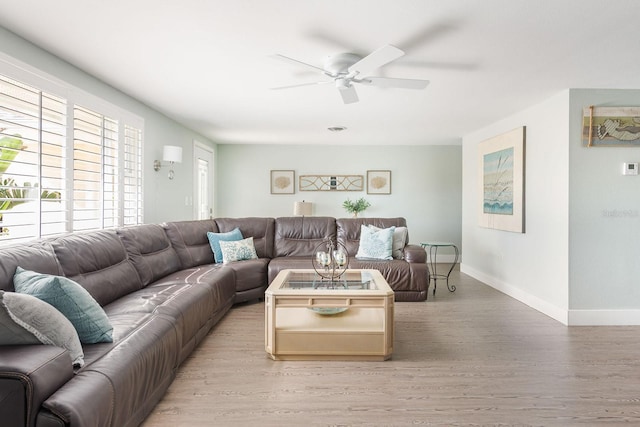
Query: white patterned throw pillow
point(238, 250)
point(399, 241)
point(375, 244)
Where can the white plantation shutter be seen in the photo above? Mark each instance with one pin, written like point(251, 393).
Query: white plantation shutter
point(79, 168)
point(38, 120)
point(95, 170)
point(132, 189)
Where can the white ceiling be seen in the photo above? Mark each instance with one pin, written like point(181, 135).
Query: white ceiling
point(209, 63)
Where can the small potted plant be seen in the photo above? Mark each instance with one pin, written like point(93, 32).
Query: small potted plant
point(354, 207)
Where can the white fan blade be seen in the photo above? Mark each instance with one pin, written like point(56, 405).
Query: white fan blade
point(375, 59)
point(300, 85)
point(395, 83)
point(286, 58)
point(349, 95)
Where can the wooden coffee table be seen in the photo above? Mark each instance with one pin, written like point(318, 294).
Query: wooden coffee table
point(310, 319)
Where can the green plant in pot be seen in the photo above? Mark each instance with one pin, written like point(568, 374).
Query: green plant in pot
point(355, 207)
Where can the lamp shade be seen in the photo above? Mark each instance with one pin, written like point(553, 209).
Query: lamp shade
point(172, 153)
point(302, 208)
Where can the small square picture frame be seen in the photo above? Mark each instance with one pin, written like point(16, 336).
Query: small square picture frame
point(379, 182)
point(283, 182)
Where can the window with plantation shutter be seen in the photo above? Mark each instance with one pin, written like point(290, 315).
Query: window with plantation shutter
point(95, 170)
point(32, 158)
point(132, 192)
point(65, 166)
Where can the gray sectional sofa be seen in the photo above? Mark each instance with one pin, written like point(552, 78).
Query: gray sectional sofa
point(162, 292)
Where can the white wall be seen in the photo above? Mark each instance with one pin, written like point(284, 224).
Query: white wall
point(533, 266)
point(163, 199)
point(425, 181)
point(604, 205)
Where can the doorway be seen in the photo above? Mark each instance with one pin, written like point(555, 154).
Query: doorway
point(203, 180)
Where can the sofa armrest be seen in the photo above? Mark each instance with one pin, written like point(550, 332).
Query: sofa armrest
point(29, 374)
point(415, 254)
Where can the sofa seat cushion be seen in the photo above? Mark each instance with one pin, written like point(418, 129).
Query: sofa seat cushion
point(118, 388)
point(250, 274)
point(399, 274)
point(291, 262)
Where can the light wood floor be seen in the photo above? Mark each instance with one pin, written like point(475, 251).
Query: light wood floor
point(473, 357)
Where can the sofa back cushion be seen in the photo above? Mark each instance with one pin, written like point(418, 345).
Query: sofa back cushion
point(36, 256)
point(189, 240)
point(99, 262)
point(150, 251)
point(300, 235)
point(261, 229)
point(349, 230)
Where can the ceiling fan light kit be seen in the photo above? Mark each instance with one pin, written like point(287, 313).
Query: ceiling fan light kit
point(347, 68)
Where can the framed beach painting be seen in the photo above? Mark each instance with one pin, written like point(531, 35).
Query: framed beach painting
point(282, 182)
point(501, 181)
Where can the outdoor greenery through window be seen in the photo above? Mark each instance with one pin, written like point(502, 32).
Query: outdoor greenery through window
point(64, 167)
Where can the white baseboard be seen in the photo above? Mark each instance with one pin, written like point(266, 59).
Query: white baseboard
point(604, 317)
point(566, 317)
point(532, 301)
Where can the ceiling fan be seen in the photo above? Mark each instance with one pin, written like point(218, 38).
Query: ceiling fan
point(345, 69)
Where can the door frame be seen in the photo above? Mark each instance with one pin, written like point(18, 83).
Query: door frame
point(211, 150)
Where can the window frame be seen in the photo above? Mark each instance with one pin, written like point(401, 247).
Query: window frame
point(77, 97)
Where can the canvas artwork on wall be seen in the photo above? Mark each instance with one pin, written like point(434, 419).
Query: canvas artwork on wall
point(501, 181)
point(611, 126)
point(282, 182)
point(379, 182)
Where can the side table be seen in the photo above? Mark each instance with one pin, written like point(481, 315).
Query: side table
point(432, 255)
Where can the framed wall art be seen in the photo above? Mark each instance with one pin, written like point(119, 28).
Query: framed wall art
point(282, 182)
point(379, 182)
point(331, 183)
point(611, 126)
point(501, 181)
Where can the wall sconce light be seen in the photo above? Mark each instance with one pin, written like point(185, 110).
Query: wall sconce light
point(302, 208)
point(170, 154)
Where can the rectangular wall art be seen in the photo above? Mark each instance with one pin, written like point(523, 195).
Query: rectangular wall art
point(330, 183)
point(378, 182)
point(282, 182)
point(611, 126)
point(501, 181)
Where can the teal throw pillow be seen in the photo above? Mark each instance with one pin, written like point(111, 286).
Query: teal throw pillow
point(375, 243)
point(238, 251)
point(216, 238)
point(70, 299)
point(25, 319)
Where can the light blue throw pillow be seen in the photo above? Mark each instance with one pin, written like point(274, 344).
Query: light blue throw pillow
point(375, 243)
point(70, 299)
point(216, 238)
point(239, 250)
point(25, 319)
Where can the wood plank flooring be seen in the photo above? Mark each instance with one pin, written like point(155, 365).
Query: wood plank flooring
point(472, 357)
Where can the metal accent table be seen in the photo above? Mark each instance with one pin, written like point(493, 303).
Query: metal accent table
point(432, 255)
